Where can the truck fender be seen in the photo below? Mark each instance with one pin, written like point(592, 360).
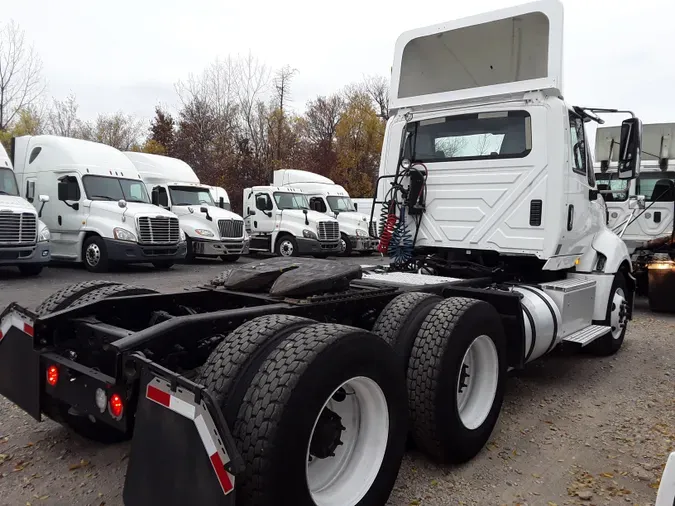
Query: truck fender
point(608, 254)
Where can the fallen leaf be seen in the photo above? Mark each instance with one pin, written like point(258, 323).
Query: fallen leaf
point(607, 475)
point(82, 463)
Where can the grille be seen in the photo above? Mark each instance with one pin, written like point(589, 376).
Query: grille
point(17, 228)
point(373, 229)
point(329, 231)
point(231, 228)
point(158, 230)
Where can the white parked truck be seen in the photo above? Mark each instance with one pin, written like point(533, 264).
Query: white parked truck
point(297, 380)
point(99, 212)
point(641, 210)
point(280, 221)
point(324, 196)
point(212, 231)
point(24, 238)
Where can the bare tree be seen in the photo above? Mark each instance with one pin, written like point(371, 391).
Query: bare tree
point(21, 82)
point(117, 130)
point(62, 118)
point(282, 81)
point(253, 87)
point(322, 116)
point(483, 145)
point(377, 88)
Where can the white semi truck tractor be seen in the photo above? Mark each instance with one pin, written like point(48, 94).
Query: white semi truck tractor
point(332, 199)
point(211, 229)
point(24, 238)
point(279, 220)
point(299, 381)
point(641, 210)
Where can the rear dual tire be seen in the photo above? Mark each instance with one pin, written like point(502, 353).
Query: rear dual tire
point(305, 387)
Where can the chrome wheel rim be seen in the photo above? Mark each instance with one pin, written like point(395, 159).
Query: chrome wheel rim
point(286, 248)
point(93, 254)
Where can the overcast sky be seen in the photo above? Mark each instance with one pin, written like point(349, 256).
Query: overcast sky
point(127, 55)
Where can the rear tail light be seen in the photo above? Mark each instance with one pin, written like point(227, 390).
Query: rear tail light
point(116, 406)
point(52, 375)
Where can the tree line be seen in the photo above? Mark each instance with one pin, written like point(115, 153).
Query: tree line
point(233, 124)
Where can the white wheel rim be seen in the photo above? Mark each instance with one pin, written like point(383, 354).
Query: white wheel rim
point(286, 248)
point(618, 314)
point(343, 245)
point(93, 255)
point(345, 478)
point(477, 382)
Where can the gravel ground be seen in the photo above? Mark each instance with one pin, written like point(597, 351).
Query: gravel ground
point(574, 429)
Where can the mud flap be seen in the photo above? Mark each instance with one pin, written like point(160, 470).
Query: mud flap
point(182, 451)
point(20, 376)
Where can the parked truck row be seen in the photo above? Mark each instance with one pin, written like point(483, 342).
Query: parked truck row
point(72, 200)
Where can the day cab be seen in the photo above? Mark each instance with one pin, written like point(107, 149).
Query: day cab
point(24, 238)
point(99, 211)
point(212, 230)
point(326, 197)
point(280, 221)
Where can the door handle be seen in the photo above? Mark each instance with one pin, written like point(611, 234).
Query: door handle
point(570, 217)
point(59, 220)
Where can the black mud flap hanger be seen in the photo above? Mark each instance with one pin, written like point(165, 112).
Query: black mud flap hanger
point(20, 377)
point(182, 451)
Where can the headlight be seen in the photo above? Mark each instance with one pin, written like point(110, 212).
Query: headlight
point(361, 233)
point(44, 235)
point(309, 234)
point(182, 235)
point(203, 232)
point(122, 234)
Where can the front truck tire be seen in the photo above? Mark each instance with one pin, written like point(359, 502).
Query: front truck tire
point(456, 377)
point(95, 255)
point(229, 258)
point(163, 265)
point(616, 317)
point(323, 422)
point(70, 297)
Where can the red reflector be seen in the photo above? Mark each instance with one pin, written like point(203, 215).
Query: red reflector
point(116, 405)
point(157, 395)
point(28, 329)
point(52, 375)
point(223, 477)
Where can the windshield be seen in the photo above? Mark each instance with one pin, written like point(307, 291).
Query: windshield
point(190, 196)
point(608, 181)
point(340, 204)
point(113, 188)
point(8, 182)
point(291, 200)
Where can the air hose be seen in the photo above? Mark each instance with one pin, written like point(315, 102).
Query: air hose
point(387, 231)
point(401, 246)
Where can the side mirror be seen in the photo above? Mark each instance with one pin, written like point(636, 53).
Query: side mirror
point(122, 203)
point(43, 198)
point(221, 203)
point(356, 206)
point(251, 212)
point(261, 203)
point(630, 148)
point(636, 202)
point(203, 209)
point(154, 196)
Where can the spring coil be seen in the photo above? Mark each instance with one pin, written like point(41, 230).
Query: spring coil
point(384, 215)
point(401, 245)
point(387, 232)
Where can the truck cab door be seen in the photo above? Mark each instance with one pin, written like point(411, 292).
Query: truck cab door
point(658, 189)
point(579, 225)
point(71, 214)
point(263, 221)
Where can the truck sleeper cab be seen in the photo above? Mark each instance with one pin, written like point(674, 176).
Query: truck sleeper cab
point(211, 231)
point(99, 211)
point(326, 197)
point(280, 221)
point(24, 238)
